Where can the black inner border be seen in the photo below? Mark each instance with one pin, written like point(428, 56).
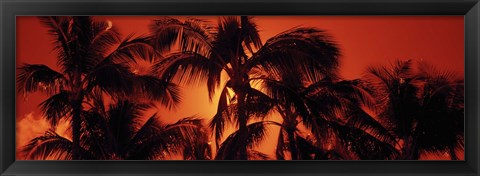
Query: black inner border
point(12, 8)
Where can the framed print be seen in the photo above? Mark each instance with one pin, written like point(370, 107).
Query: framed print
point(226, 88)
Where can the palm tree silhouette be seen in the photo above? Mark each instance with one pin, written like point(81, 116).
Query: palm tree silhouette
point(120, 133)
point(332, 111)
point(423, 108)
point(327, 107)
point(288, 92)
point(234, 47)
point(256, 133)
point(293, 74)
point(358, 134)
point(92, 56)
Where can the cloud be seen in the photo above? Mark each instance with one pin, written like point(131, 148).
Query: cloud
point(31, 126)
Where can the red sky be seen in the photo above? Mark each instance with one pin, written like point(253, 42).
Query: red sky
point(363, 40)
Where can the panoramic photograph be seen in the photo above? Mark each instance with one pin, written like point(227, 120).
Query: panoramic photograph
point(240, 88)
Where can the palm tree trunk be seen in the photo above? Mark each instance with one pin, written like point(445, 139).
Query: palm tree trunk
point(410, 151)
point(76, 116)
point(243, 130)
point(76, 124)
point(292, 145)
point(406, 149)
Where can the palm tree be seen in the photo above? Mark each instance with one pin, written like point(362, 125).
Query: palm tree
point(234, 47)
point(321, 103)
point(358, 133)
point(287, 92)
point(91, 55)
point(120, 133)
point(328, 108)
point(423, 109)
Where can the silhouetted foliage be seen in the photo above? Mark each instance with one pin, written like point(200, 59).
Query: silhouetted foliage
point(234, 47)
point(291, 81)
point(424, 109)
point(91, 55)
point(121, 133)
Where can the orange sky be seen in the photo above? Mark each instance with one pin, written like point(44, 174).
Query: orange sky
point(363, 40)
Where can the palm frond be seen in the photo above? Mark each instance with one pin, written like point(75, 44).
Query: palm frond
point(250, 33)
point(257, 155)
point(325, 105)
point(348, 99)
point(440, 125)
point(229, 149)
point(197, 36)
point(364, 145)
point(197, 147)
point(213, 81)
point(354, 92)
point(139, 146)
point(95, 135)
point(158, 89)
point(381, 77)
point(113, 79)
point(291, 95)
point(132, 48)
point(258, 104)
point(396, 91)
point(307, 48)
point(96, 98)
point(190, 68)
point(228, 41)
point(36, 77)
point(155, 140)
point(361, 120)
point(200, 149)
point(60, 28)
point(192, 35)
point(124, 119)
point(48, 146)
point(57, 107)
point(219, 121)
point(402, 68)
point(185, 131)
point(105, 37)
point(399, 73)
point(308, 151)
point(320, 125)
point(81, 56)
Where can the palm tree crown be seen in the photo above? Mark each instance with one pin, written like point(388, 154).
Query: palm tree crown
point(120, 133)
point(92, 58)
point(423, 108)
point(234, 47)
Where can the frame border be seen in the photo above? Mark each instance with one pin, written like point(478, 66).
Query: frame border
point(470, 9)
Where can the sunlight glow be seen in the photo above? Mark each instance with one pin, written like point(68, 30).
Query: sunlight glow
point(109, 25)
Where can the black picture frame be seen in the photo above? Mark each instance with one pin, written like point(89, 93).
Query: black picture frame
point(11, 8)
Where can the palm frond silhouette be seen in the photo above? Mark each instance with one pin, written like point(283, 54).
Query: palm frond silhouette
point(423, 109)
point(92, 56)
point(234, 47)
point(119, 133)
point(290, 82)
